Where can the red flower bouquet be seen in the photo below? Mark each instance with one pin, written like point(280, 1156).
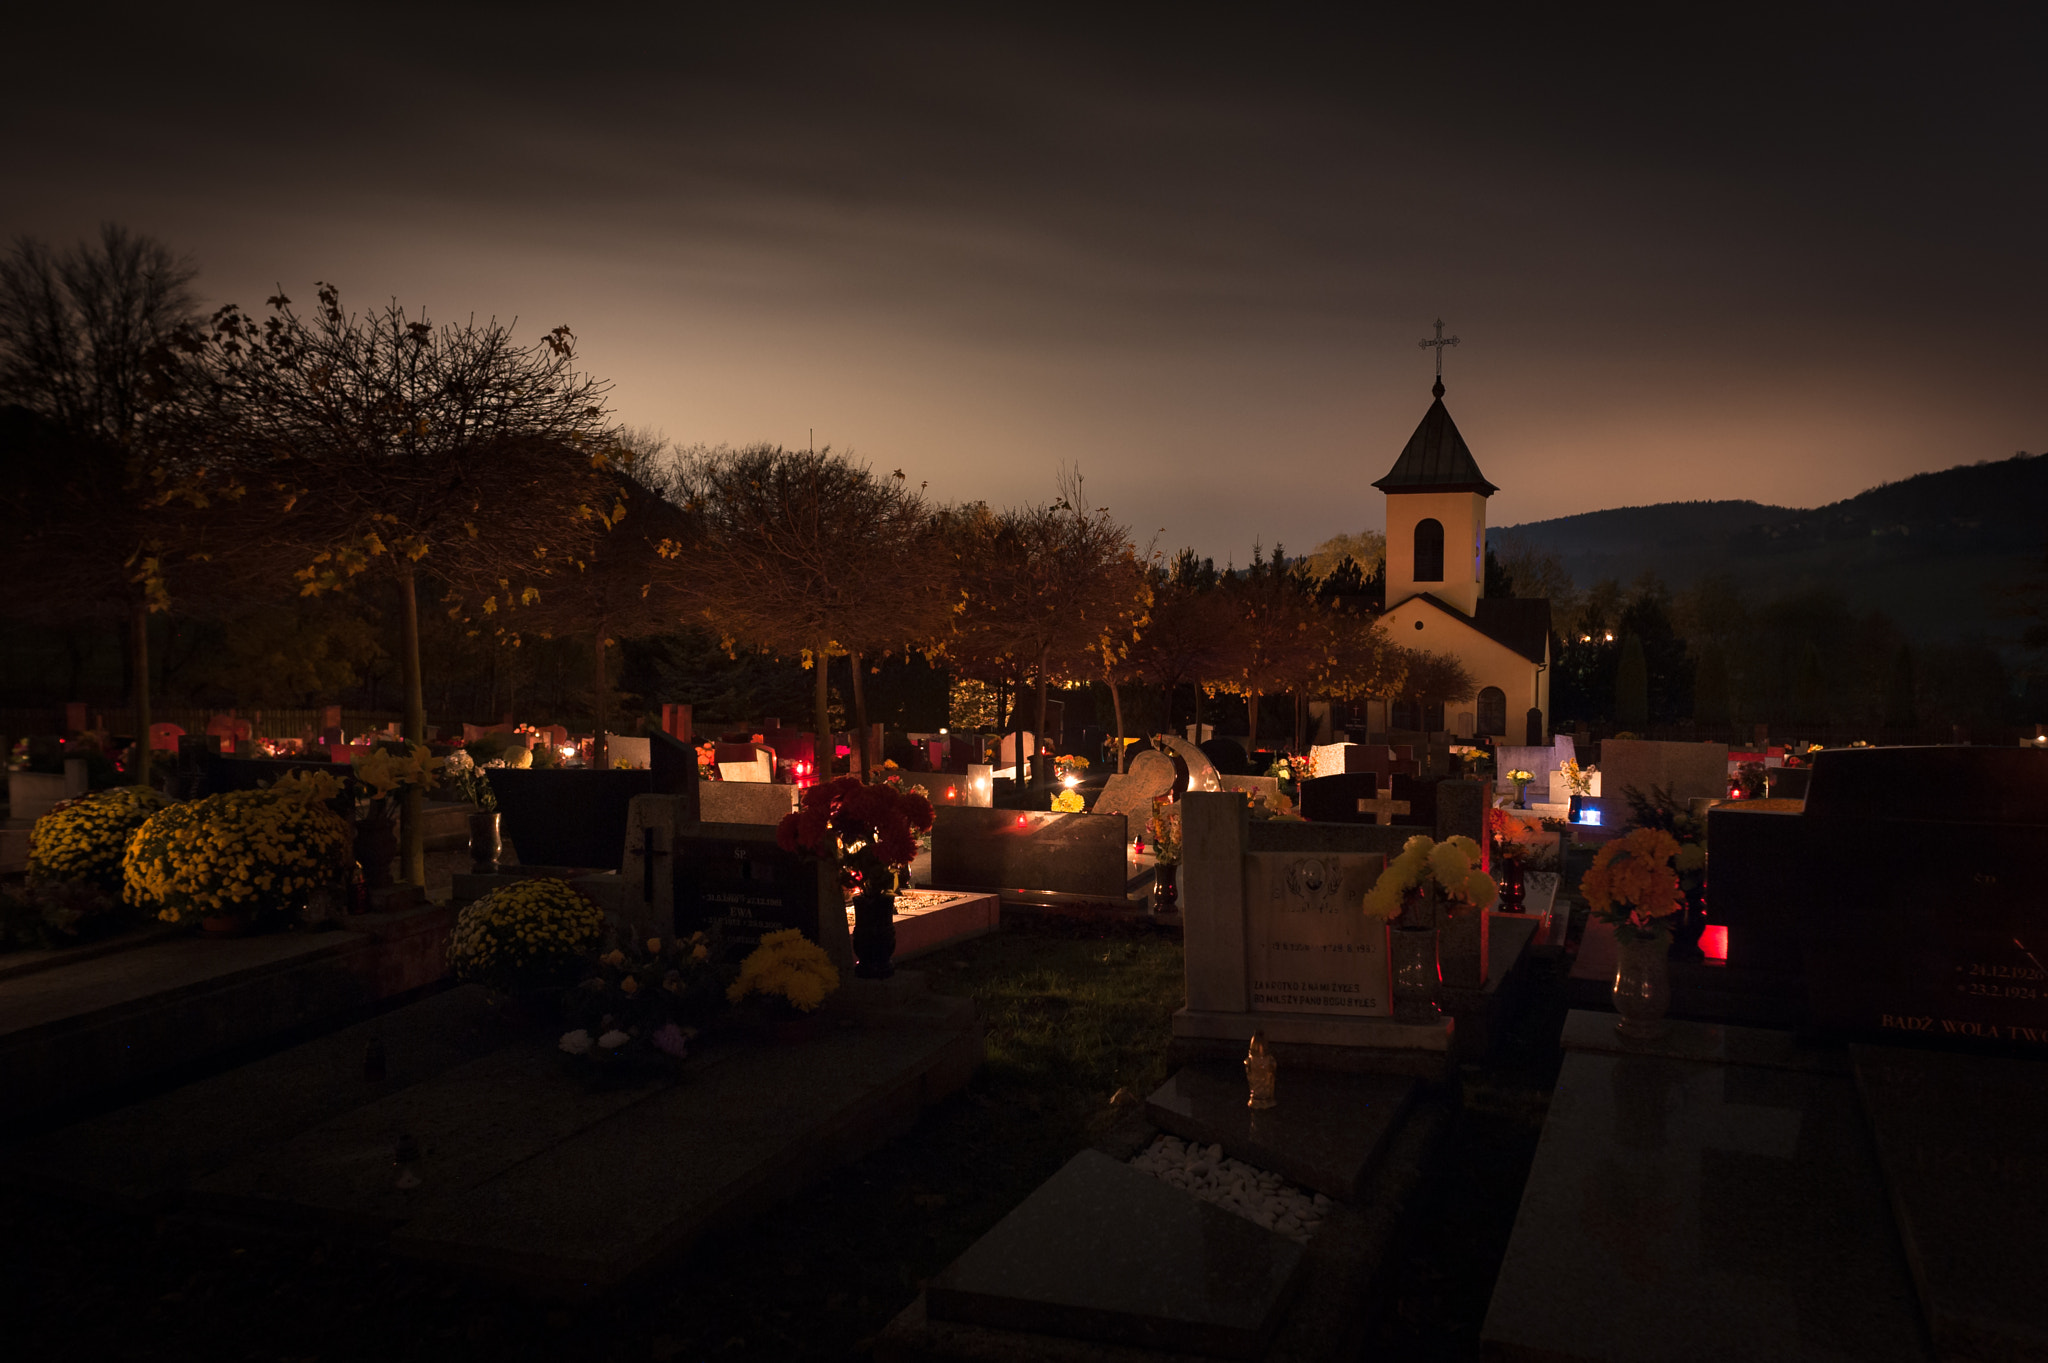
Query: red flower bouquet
point(868, 831)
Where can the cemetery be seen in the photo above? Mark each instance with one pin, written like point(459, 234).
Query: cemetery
point(1113, 957)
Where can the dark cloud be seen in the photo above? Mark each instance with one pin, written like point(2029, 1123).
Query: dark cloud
point(1779, 254)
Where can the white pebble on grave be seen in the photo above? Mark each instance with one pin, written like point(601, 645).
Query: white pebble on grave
point(1257, 1195)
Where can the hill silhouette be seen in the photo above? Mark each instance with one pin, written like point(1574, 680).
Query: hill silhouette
point(1936, 552)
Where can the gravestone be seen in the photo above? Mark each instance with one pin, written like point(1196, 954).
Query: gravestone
point(1151, 776)
point(569, 817)
point(1308, 947)
point(1335, 799)
point(1275, 941)
point(1419, 793)
point(1539, 760)
point(1227, 756)
point(758, 802)
point(1334, 759)
point(1923, 915)
point(733, 881)
point(1202, 773)
point(1688, 770)
point(627, 750)
point(1010, 849)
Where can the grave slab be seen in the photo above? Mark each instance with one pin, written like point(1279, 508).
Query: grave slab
point(1326, 1135)
point(1960, 1142)
point(929, 919)
point(731, 1139)
point(1709, 1042)
point(148, 1152)
point(107, 1021)
point(746, 801)
point(1698, 1212)
point(1010, 849)
point(1103, 1252)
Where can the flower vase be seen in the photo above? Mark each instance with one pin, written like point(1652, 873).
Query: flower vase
point(1415, 974)
point(1166, 887)
point(1578, 805)
point(376, 849)
point(1412, 944)
point(485, 842)
point(1521, 795)
point(874, 935)
point(1512, 888)
point(1461, 943)
point(1642, 984)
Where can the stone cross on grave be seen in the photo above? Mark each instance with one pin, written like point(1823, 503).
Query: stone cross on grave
point(1383, 808)
point(1386, 763)
point(648, 854)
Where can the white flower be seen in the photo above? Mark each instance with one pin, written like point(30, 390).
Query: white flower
point(613, 1039)
point(576, 1042)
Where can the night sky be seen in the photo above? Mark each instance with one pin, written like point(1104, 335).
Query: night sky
point(1779, 254)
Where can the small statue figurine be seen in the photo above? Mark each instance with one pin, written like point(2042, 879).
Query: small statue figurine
point(1259, 1071)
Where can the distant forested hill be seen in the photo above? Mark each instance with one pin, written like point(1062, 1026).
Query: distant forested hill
point(1934, 552)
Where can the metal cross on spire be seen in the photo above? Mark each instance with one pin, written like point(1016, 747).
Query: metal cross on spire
point(1438, 346)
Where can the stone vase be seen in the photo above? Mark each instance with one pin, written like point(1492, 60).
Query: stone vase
point(486, 840)
point(376, 849)
point(1460, 943)
point(874, 935)
point(1642, 985)
point(1416, 977)
point(1165, 886)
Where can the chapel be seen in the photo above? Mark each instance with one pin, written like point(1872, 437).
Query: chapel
point(1436, 586)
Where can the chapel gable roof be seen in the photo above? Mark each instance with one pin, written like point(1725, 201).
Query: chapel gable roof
point(1516, 623)
point(1436, 458)
point(1521, 623)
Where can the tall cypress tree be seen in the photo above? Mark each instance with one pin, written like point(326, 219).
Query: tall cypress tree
point(1632, 687)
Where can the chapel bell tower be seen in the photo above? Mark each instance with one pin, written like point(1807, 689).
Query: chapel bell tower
point(1436, 515)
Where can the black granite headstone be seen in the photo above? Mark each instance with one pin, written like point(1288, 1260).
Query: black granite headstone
point(1334, 799)
point(735, 882)
point(570, 817)
point(1923, 915)
point(1227, 756)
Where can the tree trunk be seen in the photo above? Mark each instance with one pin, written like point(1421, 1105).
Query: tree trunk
point(413, 851)
point(1198, 715)
point(1038, 730)
point(600, 755)
point(1116, 703)
point(138, 624)
point(822, 753)
point(860, 717)
point(1252, 721)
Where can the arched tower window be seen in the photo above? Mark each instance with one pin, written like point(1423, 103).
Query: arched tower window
point(1429, 550)
point(1493, 711)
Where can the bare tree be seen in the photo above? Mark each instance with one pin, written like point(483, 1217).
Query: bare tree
point(80, 336)
point(382, 447)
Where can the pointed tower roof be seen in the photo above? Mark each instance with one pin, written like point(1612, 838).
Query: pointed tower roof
point(1436, 458)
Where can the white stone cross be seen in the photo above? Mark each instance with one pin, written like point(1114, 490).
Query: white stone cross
point(1383, 808)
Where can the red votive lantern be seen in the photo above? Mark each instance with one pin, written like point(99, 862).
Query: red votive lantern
point(1714, 942)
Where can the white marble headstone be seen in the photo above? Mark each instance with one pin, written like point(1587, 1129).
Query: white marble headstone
point(1308, 946)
